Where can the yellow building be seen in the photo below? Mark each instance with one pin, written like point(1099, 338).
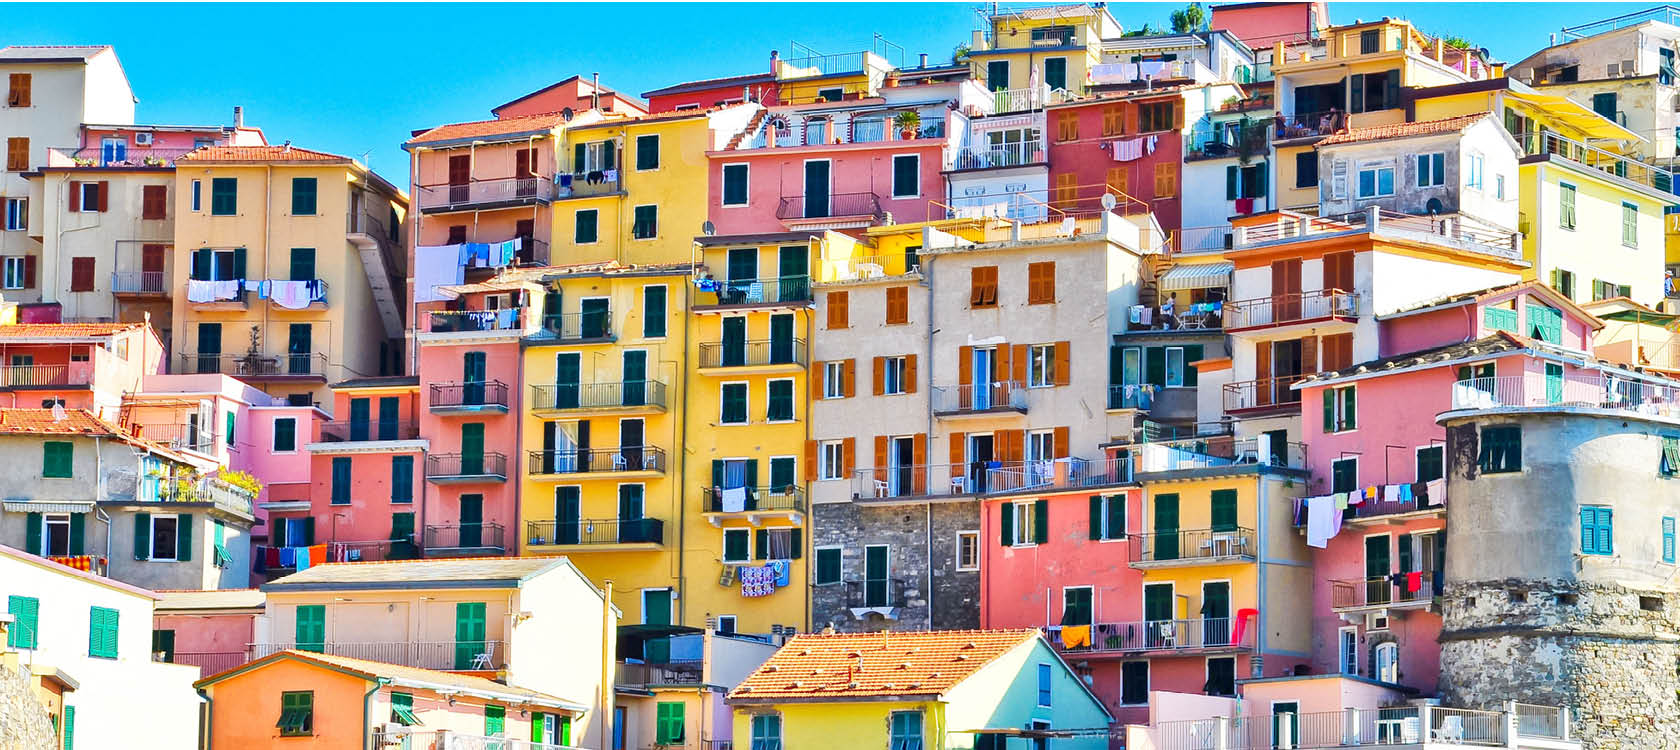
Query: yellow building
point(830, 78)
point(927, 689)
point(286, 268)
point(1055, 45)
point(603, 378)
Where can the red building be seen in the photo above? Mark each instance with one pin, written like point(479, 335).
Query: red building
point(713, 92)
point(574, 94)
point(1264, 24)
point(1130, 144)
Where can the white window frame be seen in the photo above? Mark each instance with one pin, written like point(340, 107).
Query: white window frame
point(725, 553)
point(1433, 446)
point(1108, 535)
point(746, 412)
point(646, 287)
point(893, 370)
point(1499, 187)
point(1377, 669)
point(197, 195)
point(644, 603)
point(723, 182)
point(973, 538)
point(734, 624)
point(1207, 671)
point(296, 441)
point(1041, 365)
point(1426, 169)
point(1172, 369)
point(48, 521)
point(87, 206)
point(1344, 422)
point(918, 193)
point(1347, 650)
point(17, 214)
point(636, 153)
point(1041, 445)
point(770, 536)
point(1474, 169)
point(831, 460)
point(14, 273)
point(834, 379)
point(793, 401)
point(1377, 170)
point(1022, 528)
point(151, 537)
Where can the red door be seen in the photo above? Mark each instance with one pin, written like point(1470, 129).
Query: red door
point(460, 173)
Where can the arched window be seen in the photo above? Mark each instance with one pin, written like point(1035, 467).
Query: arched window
point(1385, 662)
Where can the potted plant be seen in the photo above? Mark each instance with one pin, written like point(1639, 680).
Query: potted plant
point(907, 123)
point(155, 161)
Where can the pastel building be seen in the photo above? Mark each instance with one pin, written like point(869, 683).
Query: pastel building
point(88, 366)
point(367, 492)
point(1056, 46)
point(714, 92)
point(672, 683)
point(211, 629)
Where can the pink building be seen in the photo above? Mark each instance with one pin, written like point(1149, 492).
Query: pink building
point(575, 94)
point(1083, 166)
point(211, 630)
point(1264, 24)
point(713, 92)
point(278, 434)
point(365, 470)
point(79, 365)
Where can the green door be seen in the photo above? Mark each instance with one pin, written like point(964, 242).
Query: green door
point(630, 510)
point(472, 448)
point(566, 375)
point(816, 189)
point(875, 575)
point(734, 342)
point(311, 634)
point(1166, 527)
point(656, 606)
point(358, 419)
point(1158, 629)
point(299, 343)
point(472, 378)
point(388, 417)
point(594, 324)
point(781, 339)
point(469, 633)
point(1076, 606)
point(472, 520)
point(1216, 613)
point(568, 515)
point(743, 266)
point(794, 271)
point(1224, 510)
point(209, 347)
point(1554, 383)
point(1376, 569)
point(635, 377)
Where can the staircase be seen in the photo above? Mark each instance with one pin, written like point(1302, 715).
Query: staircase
point(752, 127)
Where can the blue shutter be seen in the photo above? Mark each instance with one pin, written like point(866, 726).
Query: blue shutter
point(1587, 518)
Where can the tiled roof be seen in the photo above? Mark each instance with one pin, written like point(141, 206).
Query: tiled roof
point(676, 114)
point(64, 330)
point(481, 128)
point(41, 422)
point(1072, 10)
point(182, 600)
point(50, 53)
point(403, 676)
point(258, 154)
point(863, 665)
point(493, 572)
point(1533, 286)
point(709, 83)
point(1405, 129)
point(385, 381)
point(1496, 344)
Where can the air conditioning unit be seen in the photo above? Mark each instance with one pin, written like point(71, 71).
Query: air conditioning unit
point(1376, 621)
point(142, 139)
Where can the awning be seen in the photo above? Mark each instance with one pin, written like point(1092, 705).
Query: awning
point(1575, 114)
point(58, 506)
point(1197, 276)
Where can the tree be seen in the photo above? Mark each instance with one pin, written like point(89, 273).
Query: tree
point(1191, 18)
point(1146, 30)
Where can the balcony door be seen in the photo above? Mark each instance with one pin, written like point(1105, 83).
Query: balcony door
point(568, 514)
point(472, 521)
point(460, 173)
point(566, 375)
point(1216, 613)
point(875, 575)
point(630, 442)
point(388, 412)
point(816, 189)
point(734, 344)
point(209, 347)
point(980, 447)
point(359, 419)
point(635, 377)
point(1166, 527)
point(656, 610)
point(472, 378)
point(781, 339)
point(793, 265)
point(985, 371)
point(299, 343)
point(1286, 290)
point(471, 628)
point(472, 448)
point(743, 272)
point(594, 321)
point(630, 513)
point(1377, 569)
point(901, 467)
point(1158, 615)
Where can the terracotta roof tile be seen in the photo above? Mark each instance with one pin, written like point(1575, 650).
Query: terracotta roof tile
point(861, 665)
point(258, 154)
point(64, 330)
point(709, 83)
point(522, 124)
point(41, 422)
point(1405, 129)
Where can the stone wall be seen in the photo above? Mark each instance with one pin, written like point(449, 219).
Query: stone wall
point(23, 721)
point(952, 602)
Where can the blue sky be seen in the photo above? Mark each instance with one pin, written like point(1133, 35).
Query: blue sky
point(355, 79)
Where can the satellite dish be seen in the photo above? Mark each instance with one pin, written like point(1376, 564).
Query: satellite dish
point(566, 114)
point(1108, 201)
point(1434, 206)
point(709, 229)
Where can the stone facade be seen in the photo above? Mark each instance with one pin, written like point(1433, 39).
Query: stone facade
point(23, 721)
point(952, 602)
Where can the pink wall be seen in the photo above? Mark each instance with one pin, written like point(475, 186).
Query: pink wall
point(1317, 694)
point(762, 91)
point(1414, 630)
point(1264, 24)
point(1014, 581)
point(854, 168)
point(443, 363)
point(1465, 323)
point(1090, 158)
point(216, 642)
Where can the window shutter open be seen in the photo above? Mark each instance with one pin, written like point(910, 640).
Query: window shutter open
point(880, 372)
point(142, 536)
point(1059, 437)
point(848, 375)
point(910, 373)
point(1006, 523)
point(761, 544)
point(918, 449)
point(965, 365)
point(1348, 405)
point(104, 196)
point(848, 455)
point(956, 453)
point(810, 460)
point(1329, 410)
point(817, 375)
point(1064, 367)
point(78, 532)
point(1041, 521)
point(184, 537)
point(1096, 517)
point(1015, 362)
point(880, 458)
point(75, 195)
point(33, 533)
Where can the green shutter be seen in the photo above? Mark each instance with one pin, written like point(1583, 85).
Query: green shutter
point(78, 533)
point(32, 542)
point(57, 459)
point(69, 727)
point(1155, 366)
point(1192, 353)
point(1041, 521)
point(470, 633)
point(1006, 523)
point(183, 537)
point(584, 230)
point(228, 435)
point(495, 721)
point(1329, 410)
point(310, 630)
point(402, 479)
point(303, 196)
point(341, 480)
point(102, 632)
point(26, 621)
point(761, 544)
point(647, 152)
point(1223, 511)
point(536, 716)
point(1231, 176)
point(1096, 517)
point(797, 545)
point(285, 435)
point(668, 727)
point(1117, 516)
point(142, 536)
point(1349, 413)
point(653, 312)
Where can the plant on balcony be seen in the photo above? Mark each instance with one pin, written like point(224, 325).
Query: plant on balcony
point(253, 358)
point(907, 123)
point(1251, 139)
point(80, 162)
point(155, 161)
point(242, 480)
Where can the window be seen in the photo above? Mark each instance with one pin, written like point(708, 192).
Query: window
point(56, 459)
point(18, 94)
point(737, 545)
point(1596, 531)
point(1067, 126)
point(1344, 475)
point(1108, 517)
point(1044, 685)
point(1154, 116)
point(1501, 450)
point(341, 480)
point(1370, 41)
point(1566, 205)
point(583, 226)
point(725, 625)
point(1166, 179)
point(1668, 539)
point(303, 196)
point(734, 404)
point(1605, 103)
point(224, 196)
point(782, 474)
point(653, 312)
point(102, 632)
point(163, 538)
point(834, 379)
point(1221, 676)
point(87, 196)
point(1432, 169)
point(831, 460)
point(1055, 71)
point(668, 721)
point(285, 434)
point(893, 373)
point(1431, 463)
point(1499, 186)
point(983, 286)
point(1371, 92)
point(1376, 181)
point(495, 721)
point(779, 395)
point(1306, 169)
point(1564, 282)
point(1022, 523)
point(831, 95)
point(766, 732)
point(1175, 366)
point(197, 195)
point(81, 274)
point(17, 214)
point(838, 310)
point(1113, 123)
point(968, 550)
point(906, 731)
point(1041, 283)
point(907, 176)
point(1041, 365)
point(17, 272)
point(646, 226)
point(647, 152)
point(778, 544)
point(828, 565)
point(1475, 165)
point(17, 154)
point(1630, 224)
point(402, 709)
point(1339, 409)
point(26, 621)
point(297, 713)
point(1609, 289)
point(898, 305)
point(1670, 465)
point(1347, 650)
point(154, 202)
point(402, 479)
point(1134, 683)
point(735, 181)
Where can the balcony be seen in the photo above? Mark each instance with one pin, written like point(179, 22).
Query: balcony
point(619, 463)
point(366, 431)
point(914, 481)
point(1193, 547)
point(1028, 99)
point(648, 532)
point(1056, 474)
point(753, 503)
point(449, 656)
point(635, 397)
point(256, 366)
point(885, 597)
point(98, 565)
point(210, 491)
point(456, 468)
point(1413, 727)
point(181, 437)
point(588, 182)
point(832, 211)
point(101, 157)
point(464, 539)
point(1218, 452)
point(444, 739)
point(1198, 634)
point(591, 326)
point(1026, 153)
point(746, 357)
point(858, 267)
point(480, 195)
point(223, 294)
point(468, 321)
point(651, 675)
point(471, 397)
point(1545, 144)
point(1383, 511)
point(1582, 390)
point(208, 662)
point(977, 400)
point(374, 550)
point(140, 283)
point(1387, 592)
point(1277, 311)
point(46, 376)
point(1458, 232)
point(1142, 72)
point(1197, 316)
point(1307, 125)
point(1263, 395)
point(770, 291)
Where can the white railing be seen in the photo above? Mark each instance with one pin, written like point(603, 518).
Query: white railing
point(1595, 390)
point(1000, 155)
point(862, 267)
point(1353, 727)
point(1202, 239)
point(444, 739)
point(1138, 72)
point(1028, 99)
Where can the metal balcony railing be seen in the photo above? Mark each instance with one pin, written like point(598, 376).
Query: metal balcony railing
point(588, 181)
point(456, 465)
point(579, 326)
point(596, 531)
point(139, 282)
point(1397, 726)
point(29, 376)
point(866, 266)
point(1139, 636)
point(628, 394)
point(591, 460)
point(753, 353)
point(911, 480)
point(1193, 545)
point(1059, 473)
point(1000, 155)
point(877, 592)
point(1458, 231)
point(1286, 309)
point(208, 662)
point(1262, 393)
point(188, 437)
point(125, 156)
point(1028, 99)
point(468, 395)
point(829, 206)
point(512, 190)
point(665, 673)
point(255, 365)
point(358, 431)
point(488, 654)
point(1386, 590)
point(727, 500)
point(784, 289)
point(981, 397)
point(457, 321)
point(374, 550)
point(1595, 390)
point(465, 536)
point(1550, 143)
point(1307, 125)
point(1215, 451)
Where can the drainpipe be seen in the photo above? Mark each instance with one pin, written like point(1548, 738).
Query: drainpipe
point(927, 283)
point(367, 712)
point(209, 720)
point(1261, 498)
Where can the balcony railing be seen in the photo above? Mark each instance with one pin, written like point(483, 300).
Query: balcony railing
point(98, 565)
point(1287, 309)
point(1215, 451)
point(464, 536)
point(457, 321)
point(911, 480)
point(1309, 125)
point(99, 156)
point(208, 662)
point(1193, 545)
point(139, 282)
point(255, 365)
point(770, 289)
point(469, 395)
point(880, 592)
point(1197, 316)
point(1549, 143)
point(186, 437)
point(1592, 390)
point(836, 205)
point(1028, 99)
point(753, 353)
point(441, 655)
point(632, 394)
point(593, 325)
point(1262, 393)
point(458, 466)
point(37, 376)
point(1161, 635)
point(596, 531)
point(1001, 155)
point(867, 266)
point(510, 190)
point(1060, 473)
point(374, 550)
point(595, 460)
point(1140, 72)
point(443, 739)
point(979, 398)
point(1398, 726)
point(1384, 508)
point(666, 673)
point(1389, 590)
point(750, 499)
point(1202, 239)
point(359, 431)
point(1457, 231)
point(587, 182)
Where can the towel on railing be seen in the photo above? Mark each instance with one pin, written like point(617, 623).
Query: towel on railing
point(1075, 636)
point(199, 290)
point(291, 295)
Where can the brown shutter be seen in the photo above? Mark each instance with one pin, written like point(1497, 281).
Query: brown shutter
point(965, 365)
point(919, 448)
point(522, 163)
point(75, 195)
point(909, 373)
point(956, 449)
point(1060, 437)
point(152, 258)
point(81, 274)
point(810, 460)
point(848, 375)
point(1263, 372)
point(1064, 363)
point(1309, 354)
point(848, 455)
point(880, 369)
point(838, 312)
point(880, 458)
point(153, 200)
point(1018, 359)
point(28, 272)
point(898, 305)
point(817, 375)
point(104, 196)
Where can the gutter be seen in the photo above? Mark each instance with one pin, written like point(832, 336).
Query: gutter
point(209, 719)
point(367, 712)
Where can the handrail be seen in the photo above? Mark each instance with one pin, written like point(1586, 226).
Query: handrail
point(587, 460)
point(1293, 307)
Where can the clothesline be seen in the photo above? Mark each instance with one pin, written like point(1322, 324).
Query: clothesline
point(1322, 515)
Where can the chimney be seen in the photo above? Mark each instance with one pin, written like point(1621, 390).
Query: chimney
point(595, 90)
point(775, 61)
point(238, 117)
point(922, 58)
